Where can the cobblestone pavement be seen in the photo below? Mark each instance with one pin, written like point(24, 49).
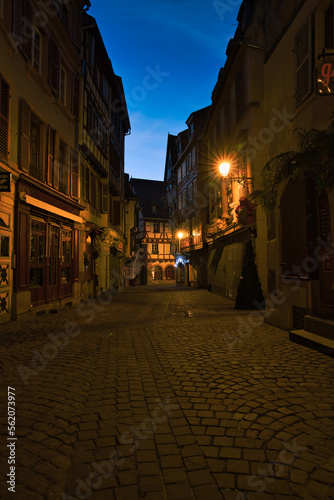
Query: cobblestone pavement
point(148, 396)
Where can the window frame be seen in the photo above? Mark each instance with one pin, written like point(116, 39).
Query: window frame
point(62, 84)
point(33, 50)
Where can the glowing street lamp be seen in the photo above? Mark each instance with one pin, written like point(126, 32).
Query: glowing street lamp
point(180, 236)
point(224, 169)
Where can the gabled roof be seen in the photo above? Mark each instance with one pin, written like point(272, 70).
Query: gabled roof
point(151, 194)
point(171, 146)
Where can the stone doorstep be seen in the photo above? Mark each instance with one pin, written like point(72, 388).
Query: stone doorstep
point(319, 326)
point(316, 342)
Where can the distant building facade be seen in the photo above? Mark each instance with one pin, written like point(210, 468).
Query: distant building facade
point(186, 178)
point(153, 259)
point(102, 129)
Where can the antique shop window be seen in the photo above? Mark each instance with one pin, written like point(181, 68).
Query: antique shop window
point(37, 253)
point(54, 253)
point(66, 256)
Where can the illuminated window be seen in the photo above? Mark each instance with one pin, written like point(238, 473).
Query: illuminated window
point(156, 227)
point(155, 248)
point(157, 273)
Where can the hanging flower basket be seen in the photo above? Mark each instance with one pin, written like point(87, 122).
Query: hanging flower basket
point(245, 212)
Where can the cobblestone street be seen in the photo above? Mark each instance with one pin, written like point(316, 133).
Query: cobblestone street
point(153, 395)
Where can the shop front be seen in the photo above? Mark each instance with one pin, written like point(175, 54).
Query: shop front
point(47, 254)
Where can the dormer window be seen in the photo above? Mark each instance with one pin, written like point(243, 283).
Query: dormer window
point(154, 208)
point(191, 129)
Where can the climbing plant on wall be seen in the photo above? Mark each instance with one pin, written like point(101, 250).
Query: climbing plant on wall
point(314, 161)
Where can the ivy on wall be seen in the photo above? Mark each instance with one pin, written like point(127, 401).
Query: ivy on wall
point(314, 161)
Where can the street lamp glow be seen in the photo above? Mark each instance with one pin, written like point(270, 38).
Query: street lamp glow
point(180, 235)
point(224, 169)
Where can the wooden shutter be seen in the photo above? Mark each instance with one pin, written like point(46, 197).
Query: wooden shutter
point(76, 27)
point(56, 161)
point(51, 146)
point(303, 62)
point(25, 136)
point(54, 66)
point(117, 212)
point(105, 199)
point(74, 174)
point(75, 95)
point(4, 116)
point(28, 30)
point(17, 22)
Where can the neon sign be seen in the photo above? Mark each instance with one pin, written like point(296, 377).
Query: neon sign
point(325, 81)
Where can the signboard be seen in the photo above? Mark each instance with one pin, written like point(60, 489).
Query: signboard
point(5, 182)
point(325, 79)
point(180, 260)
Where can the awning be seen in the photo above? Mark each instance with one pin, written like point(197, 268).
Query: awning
point(50, 208)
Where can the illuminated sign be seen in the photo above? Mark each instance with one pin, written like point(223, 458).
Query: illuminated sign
point(180, 260)
point(5, 182)
point(325, 80)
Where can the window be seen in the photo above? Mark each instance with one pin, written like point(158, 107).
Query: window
point(36, 49)
point(155, 248)
point(1, 9)
point(85, 182)
point(62, 85)
point(66, 257)
point(170, 273)
point(191, 129)
point(194, 189)
point(184, 198)
point(156, 273)
point(35, 166)
point(53, 70)
point(37, 253)
point(54, 255)
point(92, 190)
point(95, 127)
point(184, 169)
point(190, 193)
point(63, 13)
point(329, 32)
point(179, 175)
point(303, 63)
point(156, 227)
point(64, 162)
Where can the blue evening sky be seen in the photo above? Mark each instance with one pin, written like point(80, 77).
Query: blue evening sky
point(168, 54)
